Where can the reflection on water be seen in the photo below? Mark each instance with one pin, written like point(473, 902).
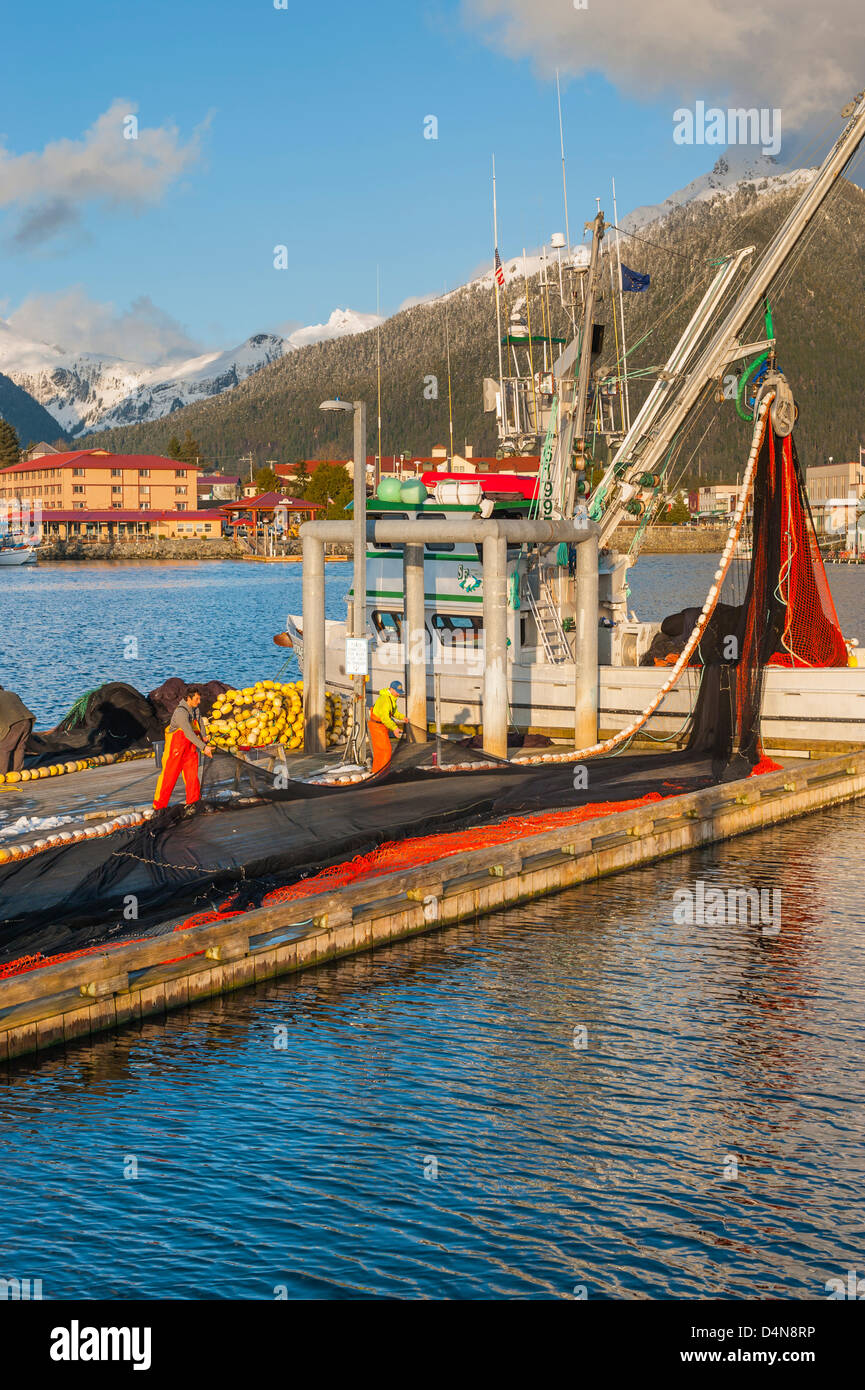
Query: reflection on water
point(420, 1123)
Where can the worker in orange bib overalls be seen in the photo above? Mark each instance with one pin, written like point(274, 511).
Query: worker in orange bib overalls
point(383, 718)
point(183, 742)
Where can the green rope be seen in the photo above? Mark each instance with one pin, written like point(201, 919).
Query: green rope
point(78, 712)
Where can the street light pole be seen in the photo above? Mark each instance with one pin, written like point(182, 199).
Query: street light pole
point(357, 743)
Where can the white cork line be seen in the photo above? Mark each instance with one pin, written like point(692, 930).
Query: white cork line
point(73, 837)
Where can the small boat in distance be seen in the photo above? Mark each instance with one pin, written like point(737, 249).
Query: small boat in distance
point(16, 550)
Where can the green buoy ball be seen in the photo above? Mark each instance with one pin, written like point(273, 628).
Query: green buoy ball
point(413, 492)
point(389, 490)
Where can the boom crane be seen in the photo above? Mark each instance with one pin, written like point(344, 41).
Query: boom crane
point(681, 384)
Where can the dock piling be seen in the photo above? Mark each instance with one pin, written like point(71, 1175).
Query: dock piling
point(314, 735)
point(586, 645)
point(414, 639)
point(495, 696)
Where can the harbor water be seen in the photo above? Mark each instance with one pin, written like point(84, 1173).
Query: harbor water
point(585, 1097)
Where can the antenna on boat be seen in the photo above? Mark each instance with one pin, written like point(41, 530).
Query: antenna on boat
point(565, 198)
point(626, 397)
point(498, 270)
point(377, 478)
point(450, 397)
point(562, 146)
point(529, 335)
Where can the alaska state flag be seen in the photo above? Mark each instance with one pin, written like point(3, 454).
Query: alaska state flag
point(633, 280)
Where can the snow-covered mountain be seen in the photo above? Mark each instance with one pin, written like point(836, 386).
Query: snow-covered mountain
point(737, 166)
point(341, 323)
point(86, 392)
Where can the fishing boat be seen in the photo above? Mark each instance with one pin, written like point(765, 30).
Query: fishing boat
point(557, 405)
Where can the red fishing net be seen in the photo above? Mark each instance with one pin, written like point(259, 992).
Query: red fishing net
point(811, 634)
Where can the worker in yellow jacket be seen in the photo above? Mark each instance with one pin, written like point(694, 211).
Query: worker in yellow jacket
point(383, 721)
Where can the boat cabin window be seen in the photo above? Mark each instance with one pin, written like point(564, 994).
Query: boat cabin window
point(388, 516)
point(458, 630)
point(437, 545)
point(388, 626)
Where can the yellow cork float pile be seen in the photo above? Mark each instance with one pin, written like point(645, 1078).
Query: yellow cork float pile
point(266, 713)
point(34, 774)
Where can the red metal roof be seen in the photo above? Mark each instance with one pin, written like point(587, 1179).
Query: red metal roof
point(288, 470)
point(99, 459)
point(269, 501)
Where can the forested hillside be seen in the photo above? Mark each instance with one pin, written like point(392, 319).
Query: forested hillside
point(819, 312)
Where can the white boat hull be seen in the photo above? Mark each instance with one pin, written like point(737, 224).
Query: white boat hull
point(804, 710)
point(26, 555)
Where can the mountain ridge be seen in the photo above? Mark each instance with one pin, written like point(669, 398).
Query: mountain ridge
point(275, 412)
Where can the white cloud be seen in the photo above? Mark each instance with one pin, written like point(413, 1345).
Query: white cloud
point(70, 319)
point(49, 189)
point(801, 57)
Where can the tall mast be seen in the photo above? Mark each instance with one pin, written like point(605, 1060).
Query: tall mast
point(562, 147)
point(565, 198)
point(498, 304)
point(450, 397)
point(377, 478)
point(622, 317)
point(578, 415)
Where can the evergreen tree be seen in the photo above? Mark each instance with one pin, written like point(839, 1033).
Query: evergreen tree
point(191, 451)
point(175, 448)
point(10, 449)
point(336, 509)
point(267, 481)
point(330, 483)
point(303, 477)
point(677, 515)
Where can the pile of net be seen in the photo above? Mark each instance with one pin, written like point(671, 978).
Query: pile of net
point(113, 718)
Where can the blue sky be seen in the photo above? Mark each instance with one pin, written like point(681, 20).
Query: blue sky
point(304, 127)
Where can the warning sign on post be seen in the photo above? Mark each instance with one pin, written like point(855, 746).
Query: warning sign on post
point(357, 656)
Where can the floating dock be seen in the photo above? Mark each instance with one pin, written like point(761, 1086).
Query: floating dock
point(76, 999)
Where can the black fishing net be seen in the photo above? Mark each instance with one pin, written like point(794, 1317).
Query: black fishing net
point(255, 830)
point(113, 718)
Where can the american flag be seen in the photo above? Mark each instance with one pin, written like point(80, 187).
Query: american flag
point(500, 271)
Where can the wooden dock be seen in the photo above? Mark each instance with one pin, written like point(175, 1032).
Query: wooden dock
point(68, 1002)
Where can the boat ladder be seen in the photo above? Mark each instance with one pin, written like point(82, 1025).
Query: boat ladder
point(549, 624)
